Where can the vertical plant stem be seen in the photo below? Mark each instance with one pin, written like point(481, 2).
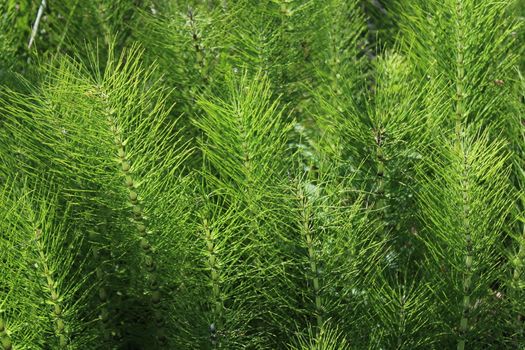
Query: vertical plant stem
point(460, 73)
point(307, 234)
point(216, 325)
point(461, 116)
point(152, 289)
point(197, 44)
point(517, 283)
point(49, 285)
point(380, 172)
point(467, 274)
point(255, 222)
point(102, 22)
point(285, 37)
point(103, 294)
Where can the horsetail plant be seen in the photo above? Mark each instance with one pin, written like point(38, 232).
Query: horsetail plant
point(246, 168)
point(334, 242)
point(43, 303)
point(464, 207)
point(285, 174)
point(113, 161)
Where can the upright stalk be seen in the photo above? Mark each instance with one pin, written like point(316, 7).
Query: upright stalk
point(467, 274)
point(461, 117)
point(98, 254)
point(213, 266)
point(197, 45)
point(152, 289)
point(307, 235)
point(460, 74)
point(380, 170)
point(49, 286)
point(402, 320)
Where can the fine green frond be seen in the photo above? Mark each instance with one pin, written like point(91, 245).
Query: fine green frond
point(244, 135)
point(466, 49)
point(107, 135)
point(245, 174)
point(465, 201)
point(47, 279)
point(326, 339)
point(405, 314)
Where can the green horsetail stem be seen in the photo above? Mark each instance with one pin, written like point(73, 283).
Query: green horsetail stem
point(461, 116)
point(460, 119)
point(196, 40)
point(306, 232)
point(467, 277)
point(153, 287)
point(199, 49)
point(102, 292)
point(49, 287)
point(380, 171)
point(461, 113)
point(216, 285)
point(380, 160)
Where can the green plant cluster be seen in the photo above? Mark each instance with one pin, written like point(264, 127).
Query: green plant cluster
point(247, 174)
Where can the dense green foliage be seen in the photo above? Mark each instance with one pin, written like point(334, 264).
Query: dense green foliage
point(245, 174)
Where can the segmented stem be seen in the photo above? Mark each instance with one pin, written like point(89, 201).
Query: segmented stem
point(103, 294)
point(213, 266)
point(307, 234)
point(467, 276)
point(380, 203)
point(49, 286)
point(197, 45)
point(153, 287)
point(461, 114)
point(380, 172)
